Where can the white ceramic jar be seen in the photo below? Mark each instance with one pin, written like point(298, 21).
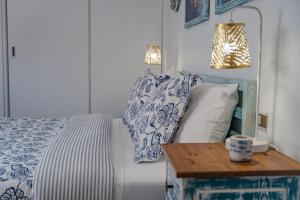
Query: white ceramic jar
point(241, 148)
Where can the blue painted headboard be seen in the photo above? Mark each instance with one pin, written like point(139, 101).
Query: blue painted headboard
point(243, 121)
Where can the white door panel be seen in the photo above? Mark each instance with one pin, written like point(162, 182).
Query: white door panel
point(49, 73)
point(132, 25)
point(1, 65)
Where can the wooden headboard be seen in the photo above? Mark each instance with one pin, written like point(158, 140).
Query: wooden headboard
point(243, 121)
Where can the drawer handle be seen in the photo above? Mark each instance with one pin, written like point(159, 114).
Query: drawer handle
point(170, 186)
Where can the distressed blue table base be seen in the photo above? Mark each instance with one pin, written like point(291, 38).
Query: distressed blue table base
point(252, 188)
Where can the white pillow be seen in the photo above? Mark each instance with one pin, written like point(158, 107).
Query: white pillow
point(209, 115)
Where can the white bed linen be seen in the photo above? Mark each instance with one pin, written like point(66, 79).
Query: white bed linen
point(134, 181)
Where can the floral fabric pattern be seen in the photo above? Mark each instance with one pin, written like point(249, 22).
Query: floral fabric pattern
point(160, 117)
point(193, 80)
point(143, 89)
point(22, 142)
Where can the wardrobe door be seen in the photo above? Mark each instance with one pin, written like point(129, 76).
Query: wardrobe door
point(1, 73)
point(49, 57)
point(1, 62)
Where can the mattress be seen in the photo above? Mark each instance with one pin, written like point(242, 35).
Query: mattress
point(134, 181)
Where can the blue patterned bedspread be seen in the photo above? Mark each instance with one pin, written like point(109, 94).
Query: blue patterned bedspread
point(22, 142)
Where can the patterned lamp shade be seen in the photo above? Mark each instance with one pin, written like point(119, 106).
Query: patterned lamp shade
point(153, 55)
point(230, 47)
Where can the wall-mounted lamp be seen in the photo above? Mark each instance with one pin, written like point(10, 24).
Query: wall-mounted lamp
point(153, 55)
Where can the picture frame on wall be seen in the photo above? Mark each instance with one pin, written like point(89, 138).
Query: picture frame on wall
point(196, 11)
point(226, 5)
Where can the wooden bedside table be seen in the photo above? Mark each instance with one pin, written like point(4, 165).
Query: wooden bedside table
point(204, 171)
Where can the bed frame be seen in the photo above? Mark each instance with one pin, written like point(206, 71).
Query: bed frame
point(243, 120)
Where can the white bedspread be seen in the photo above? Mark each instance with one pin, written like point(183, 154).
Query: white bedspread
point(134, 181)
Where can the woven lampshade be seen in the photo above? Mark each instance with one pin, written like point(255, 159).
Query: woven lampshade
point(153, 55)
point(230, 47)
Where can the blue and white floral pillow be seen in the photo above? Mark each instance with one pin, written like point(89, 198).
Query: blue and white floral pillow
point(160, 118)
point(144, 88)
point(193, 79)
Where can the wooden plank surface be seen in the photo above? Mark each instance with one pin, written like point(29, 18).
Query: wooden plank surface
point(212, 161)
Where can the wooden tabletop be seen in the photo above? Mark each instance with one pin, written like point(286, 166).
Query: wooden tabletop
point(212, 161)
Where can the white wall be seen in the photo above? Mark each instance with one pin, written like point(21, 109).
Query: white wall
point(287, 95)
point(1, 68)
point(190, 49)
point(121, 30)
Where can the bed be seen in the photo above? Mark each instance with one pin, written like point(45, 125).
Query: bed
point(23, 141)
point(25, 144)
